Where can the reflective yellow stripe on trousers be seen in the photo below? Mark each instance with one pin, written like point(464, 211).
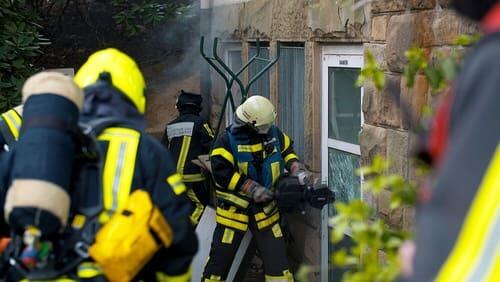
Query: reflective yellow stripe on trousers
point(119, 165)
point(476, 254)
point(13, 121)
point(181, 162)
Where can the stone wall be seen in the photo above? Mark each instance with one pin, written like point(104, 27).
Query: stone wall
point(398, 25)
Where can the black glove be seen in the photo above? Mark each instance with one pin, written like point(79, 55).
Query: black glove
point(259, 193)
point(305, 176)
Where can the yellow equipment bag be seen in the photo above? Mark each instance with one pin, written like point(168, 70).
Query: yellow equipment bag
point(126, 242)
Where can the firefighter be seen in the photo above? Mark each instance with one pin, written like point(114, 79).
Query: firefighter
point(10, 124)
point(133, 161)
point(247, 161)
point(187, 137)
point(458, 221)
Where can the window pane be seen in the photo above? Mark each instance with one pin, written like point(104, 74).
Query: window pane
point(291, 95)
point(342, 176)
point(235, 63)
point(344, 105)
point(261, 86)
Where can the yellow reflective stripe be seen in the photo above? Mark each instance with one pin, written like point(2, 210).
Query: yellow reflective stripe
point(494, 274)
point(214, 278)
point(209, 130)
point(199, 208)
point(175, 181)
point(277, 231)
point(269, 208)
point(234, 181)
point(275, 171)
point(231, 223)
point(243, 166)
point(228, 236)
point(250, 148)
point(13, 121)
point(193, 177)
point(478, 224)
point(266, 222)
point(232, 198)
point(89, 270)
point(260, 216)
point(53, 280)
point(119, 165)
point(290, 156)
point(78, 221)
point(185, 277)
point(287, 277)
point(223, 153)
point(181, 162)
point(232, 215)
point(287, 142)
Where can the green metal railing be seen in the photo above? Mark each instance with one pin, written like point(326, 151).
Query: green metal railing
point(229, 76)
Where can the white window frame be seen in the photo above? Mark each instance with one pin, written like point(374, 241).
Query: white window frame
point(342, 56)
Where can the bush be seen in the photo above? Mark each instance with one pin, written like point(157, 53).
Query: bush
point(21, 44)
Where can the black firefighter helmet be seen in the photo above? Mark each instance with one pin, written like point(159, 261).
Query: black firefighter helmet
point(186, 99)
point(474, 9)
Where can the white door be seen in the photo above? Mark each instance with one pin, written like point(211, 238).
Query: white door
point(341, 123)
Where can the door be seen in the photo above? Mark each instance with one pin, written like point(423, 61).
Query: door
point(341, 123)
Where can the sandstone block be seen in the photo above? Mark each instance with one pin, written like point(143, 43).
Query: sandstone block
point(408, 218)
point(415, 99)
point(382, 107)
point(378, 51)
point(397, 151)
point(396, 217)
point(445, 26)
point(379, 28)
point(373, 140)
point(384, 203)
point(384, 6)
point(402, 34)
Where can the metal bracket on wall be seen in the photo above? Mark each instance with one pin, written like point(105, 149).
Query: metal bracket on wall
point(229, 76)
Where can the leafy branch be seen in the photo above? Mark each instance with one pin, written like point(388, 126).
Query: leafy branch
point(372, 237)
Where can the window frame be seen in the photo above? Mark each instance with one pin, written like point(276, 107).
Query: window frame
point(331, 57)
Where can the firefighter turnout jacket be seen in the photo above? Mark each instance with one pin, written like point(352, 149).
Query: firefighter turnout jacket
point(134, 160)
point(458, 225)
point(188, 137)
point(241, 154)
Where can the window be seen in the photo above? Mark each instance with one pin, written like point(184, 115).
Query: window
point(261, 86)
point(233, 59)
point(291, 95)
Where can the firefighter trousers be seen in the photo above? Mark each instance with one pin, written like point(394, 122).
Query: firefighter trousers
point(199, 195)
point(270, 244)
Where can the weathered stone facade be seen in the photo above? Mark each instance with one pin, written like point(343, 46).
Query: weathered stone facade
point(396, 27)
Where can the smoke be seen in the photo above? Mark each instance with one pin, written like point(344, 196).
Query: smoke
point(176, 55)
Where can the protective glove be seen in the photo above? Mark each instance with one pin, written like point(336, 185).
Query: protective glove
point(305, 176)
point(259, 193)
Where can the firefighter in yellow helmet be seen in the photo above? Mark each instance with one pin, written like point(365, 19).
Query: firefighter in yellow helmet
point(247, 161)
point(133, 161)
